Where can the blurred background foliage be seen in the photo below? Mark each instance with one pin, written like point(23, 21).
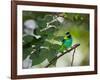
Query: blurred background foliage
point(76, 23)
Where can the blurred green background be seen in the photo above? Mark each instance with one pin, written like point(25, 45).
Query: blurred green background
point(76, 23)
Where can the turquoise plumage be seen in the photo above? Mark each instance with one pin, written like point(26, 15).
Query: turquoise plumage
point(66, 43)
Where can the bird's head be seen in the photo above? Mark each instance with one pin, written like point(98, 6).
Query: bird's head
point(68, 34)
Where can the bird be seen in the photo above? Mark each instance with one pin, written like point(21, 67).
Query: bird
point(66, 42)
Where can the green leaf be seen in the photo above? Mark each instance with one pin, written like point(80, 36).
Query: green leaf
point(26, 52)
point(27, 39)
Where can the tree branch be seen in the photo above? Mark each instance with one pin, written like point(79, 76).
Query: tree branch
point(73, 57)
point(57, 57)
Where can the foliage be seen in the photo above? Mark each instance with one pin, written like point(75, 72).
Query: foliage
point(76, 23)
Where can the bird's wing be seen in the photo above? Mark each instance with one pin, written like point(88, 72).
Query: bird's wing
point(63, 40)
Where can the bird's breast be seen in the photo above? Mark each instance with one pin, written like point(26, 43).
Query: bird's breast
point(68, 43)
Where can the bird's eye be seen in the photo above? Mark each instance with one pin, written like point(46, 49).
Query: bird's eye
point(67, 33)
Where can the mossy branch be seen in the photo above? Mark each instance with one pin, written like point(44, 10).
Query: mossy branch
point(67, 51)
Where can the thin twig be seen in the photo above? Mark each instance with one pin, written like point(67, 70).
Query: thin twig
point(73, 58)
point(57, 57)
